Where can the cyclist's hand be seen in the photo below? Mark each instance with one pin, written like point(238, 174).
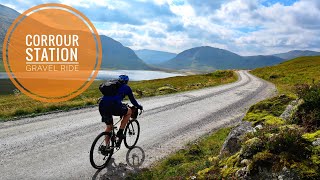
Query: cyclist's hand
point(141, 108)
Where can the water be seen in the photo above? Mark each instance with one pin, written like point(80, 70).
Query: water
point(134, 75)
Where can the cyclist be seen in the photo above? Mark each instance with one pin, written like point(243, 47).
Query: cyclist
point(112, 105)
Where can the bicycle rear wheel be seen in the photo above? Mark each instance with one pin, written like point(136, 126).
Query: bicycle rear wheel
point(132, 133)
point(100, 152)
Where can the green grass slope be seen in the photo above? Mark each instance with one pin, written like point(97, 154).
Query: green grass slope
point(264, 152)
point(287, 74)
point(187, 162)
point(14, 104)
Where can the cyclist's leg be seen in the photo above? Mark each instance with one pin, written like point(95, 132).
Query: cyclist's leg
point(106, 118)
point(125, 119)
point(126, 113)
point(108, 131)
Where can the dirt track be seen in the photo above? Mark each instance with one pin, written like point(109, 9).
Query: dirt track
point(56, 146)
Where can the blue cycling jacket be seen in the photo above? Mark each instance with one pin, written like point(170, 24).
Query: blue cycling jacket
point(123, 91)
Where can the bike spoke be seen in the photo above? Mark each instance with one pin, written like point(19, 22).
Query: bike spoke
point(100, 151)
point(132, 134)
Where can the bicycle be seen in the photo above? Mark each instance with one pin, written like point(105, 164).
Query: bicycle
point(101, 152)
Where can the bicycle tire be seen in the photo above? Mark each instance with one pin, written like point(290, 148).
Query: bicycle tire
point(131, 129)
point(92, 151)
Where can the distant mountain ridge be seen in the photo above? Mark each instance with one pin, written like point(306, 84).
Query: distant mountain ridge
point(117, 56)
point(297, 53)
point(210, 58)
point(114, 54)
point(153, 56)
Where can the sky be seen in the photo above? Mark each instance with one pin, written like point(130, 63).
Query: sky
point(246, 27)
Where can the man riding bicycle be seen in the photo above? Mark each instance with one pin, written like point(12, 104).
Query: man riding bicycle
point(112, 105)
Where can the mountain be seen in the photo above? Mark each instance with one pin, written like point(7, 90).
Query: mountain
point(154, 57)
point(210, 58)
point(261, 61)
point(114, 54)
point(297, 53)
point(117, 56)
point(7, 16)
point(203, 58)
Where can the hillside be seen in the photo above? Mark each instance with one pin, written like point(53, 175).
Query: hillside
point(1, 66)
point(7, 16)
point(287, 74)
point(297, 53)
point(154, 57)
point(271, 142)
point(1, 63)
point(117, 56)
point(210, 58)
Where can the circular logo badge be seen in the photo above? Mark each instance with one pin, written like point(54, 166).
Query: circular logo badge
point(52, 52)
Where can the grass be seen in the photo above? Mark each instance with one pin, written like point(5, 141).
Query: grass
point(287, 74)
point(268, 111)
point(279, 144)
point(1, 64)
point(15, 104)
point(187, 162)
point(283, 143)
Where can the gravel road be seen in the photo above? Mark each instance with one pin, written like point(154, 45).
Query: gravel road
point(56, 146)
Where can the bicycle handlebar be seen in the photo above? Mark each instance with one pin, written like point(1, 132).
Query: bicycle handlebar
point(138, 113)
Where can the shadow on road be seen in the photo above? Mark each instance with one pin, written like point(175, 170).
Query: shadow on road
point(134, 160)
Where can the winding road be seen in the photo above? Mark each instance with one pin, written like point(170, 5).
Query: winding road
point(56, 146)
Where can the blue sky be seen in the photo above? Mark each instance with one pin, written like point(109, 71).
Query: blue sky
point(247, 27)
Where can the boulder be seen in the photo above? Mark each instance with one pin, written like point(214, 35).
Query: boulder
point(316, 142)
point(291, 109)
point(232, 144)
point(268, 174)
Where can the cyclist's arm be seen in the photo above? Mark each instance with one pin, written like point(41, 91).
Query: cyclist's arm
point(131, 97)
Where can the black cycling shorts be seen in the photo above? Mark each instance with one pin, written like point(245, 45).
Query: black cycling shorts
point(107, 110)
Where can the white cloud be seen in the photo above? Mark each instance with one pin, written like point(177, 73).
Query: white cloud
point(244, 26)
point(278, 27)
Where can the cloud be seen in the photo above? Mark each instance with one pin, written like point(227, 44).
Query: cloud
point(247, 27)
point(281, 27)
point(208, 7)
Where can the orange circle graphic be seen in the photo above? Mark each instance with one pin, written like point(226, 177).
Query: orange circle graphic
point(52, 52)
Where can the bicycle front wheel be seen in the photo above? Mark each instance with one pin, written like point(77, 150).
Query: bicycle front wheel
point(101, 152)
point(132, 133)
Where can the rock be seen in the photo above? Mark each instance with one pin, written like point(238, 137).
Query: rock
point(166, 89)
point(169, 85)
point(291, 109)
point(257, 127)
point(232, 144)
point(242, 173)
point(267, 174)
point(139, 92)
point(316, 142)
point(246, 162)
point(251, 147)
point(287, 174)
